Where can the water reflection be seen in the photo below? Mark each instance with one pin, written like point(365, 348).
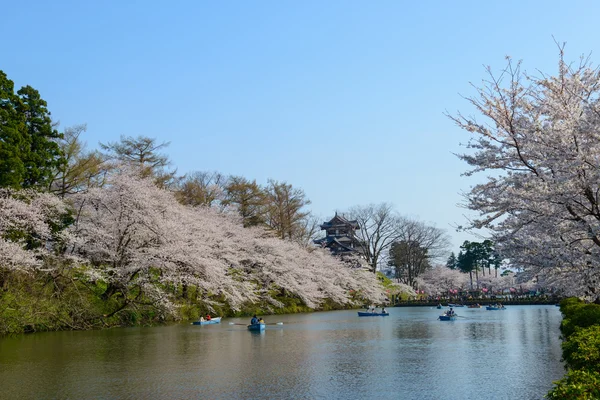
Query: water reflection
point(512, 354)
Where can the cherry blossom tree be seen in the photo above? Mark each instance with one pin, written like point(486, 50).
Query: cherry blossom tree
point(141, 241)
point(440, 280)
point(495, 284)
point(29, 228)
point(540, 144)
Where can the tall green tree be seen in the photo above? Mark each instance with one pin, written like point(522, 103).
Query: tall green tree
point(41, 154)
point(477, 256)
point(452, 261)
point(12, 140)
point(466, 260)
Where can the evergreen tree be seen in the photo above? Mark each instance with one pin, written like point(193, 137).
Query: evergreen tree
point(29, 152)
point(12, 141)
point(476, 256)
point(466, 260)
point(41, 155)
point(452, 262)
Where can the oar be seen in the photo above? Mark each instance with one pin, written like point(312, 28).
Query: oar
point(275, 323)
point(233, 323)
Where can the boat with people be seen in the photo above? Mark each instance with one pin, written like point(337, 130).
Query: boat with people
point(449, 315)
point(372, 314)
point(216, 320)
point(445, 317)
point(257, 327)
point(439, 306)
point(495, 307)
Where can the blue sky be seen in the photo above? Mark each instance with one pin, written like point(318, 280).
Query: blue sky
point(344, 99)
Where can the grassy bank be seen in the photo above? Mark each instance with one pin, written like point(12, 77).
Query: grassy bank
point(67, 300)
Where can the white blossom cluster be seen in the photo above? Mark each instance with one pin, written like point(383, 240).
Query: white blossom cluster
point(440, 280)
point(26, 218)
point(540, 144)
point(138, 238)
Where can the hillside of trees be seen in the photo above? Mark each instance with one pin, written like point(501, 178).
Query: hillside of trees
point(97, 238)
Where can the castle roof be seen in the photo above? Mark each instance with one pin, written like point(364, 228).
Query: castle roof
point(339, 220)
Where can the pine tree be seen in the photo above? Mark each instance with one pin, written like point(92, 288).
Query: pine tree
point(41, 155)
point(452, 262)
point(12, 168)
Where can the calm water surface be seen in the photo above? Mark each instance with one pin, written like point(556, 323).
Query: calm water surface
point(512, 354)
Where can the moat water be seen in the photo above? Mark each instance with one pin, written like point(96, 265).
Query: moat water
point(511, 354)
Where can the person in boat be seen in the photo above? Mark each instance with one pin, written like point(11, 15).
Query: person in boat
point(202, 319)
point(383, 310)
point(261, 321)
point(208, 318)
point(450, 312)
point(254, 320)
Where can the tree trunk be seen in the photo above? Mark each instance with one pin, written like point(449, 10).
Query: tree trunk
point(184, 291)
point(471, 277)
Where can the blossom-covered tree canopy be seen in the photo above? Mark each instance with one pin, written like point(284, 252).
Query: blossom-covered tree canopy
point(440, 280)
point(136, 235)
point(27, 218)
point(540, 143)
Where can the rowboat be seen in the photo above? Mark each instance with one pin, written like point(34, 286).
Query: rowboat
point(216, 320)
point(439, 307)
point(256, 327)
point(495, 308)
point(474, 306)
point(447, 317)
point(372, 314)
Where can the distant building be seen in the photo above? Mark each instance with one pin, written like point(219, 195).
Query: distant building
point(339, 236)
